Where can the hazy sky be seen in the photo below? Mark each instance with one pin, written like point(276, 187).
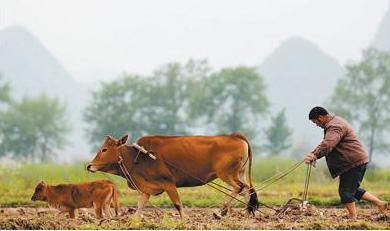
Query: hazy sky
point(100, 39)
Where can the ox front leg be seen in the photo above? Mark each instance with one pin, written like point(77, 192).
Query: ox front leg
point(72, 213)
point(142, 200)
point(174, 196)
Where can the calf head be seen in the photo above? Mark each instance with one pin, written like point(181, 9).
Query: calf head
point(40, 192)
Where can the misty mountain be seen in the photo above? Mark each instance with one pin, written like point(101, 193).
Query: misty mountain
point(382, 36)
point(299, 76)
point(32, 70)
point(30, 67)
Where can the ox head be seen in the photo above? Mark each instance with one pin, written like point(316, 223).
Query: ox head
point(107, 157)
point(40, 192)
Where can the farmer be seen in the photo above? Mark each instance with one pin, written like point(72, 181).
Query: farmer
point(345, 157)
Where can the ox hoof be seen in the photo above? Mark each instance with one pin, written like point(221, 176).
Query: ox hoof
point(224, 212)
point(131, 210)
point(217, 216)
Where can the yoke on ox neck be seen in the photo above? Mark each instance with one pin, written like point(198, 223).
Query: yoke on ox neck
point(144, 151)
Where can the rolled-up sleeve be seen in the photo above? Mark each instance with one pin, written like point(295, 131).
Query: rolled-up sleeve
point(332, 137)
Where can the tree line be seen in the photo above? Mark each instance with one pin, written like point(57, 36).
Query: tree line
point(177, 99)
point(190, 98)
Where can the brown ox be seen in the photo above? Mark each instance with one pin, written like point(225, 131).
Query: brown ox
point(182, 161)
point(69, 197)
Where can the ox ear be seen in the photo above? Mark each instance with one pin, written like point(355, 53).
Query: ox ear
point(123, 139)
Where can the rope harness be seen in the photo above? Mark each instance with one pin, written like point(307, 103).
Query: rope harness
point(127, 173)
point(273, 179)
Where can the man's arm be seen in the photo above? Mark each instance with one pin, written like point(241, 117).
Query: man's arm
point(332, 137)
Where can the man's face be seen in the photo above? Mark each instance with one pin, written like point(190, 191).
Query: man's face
point(320, 121)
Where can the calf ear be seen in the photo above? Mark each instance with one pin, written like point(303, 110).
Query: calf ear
point(123, 140)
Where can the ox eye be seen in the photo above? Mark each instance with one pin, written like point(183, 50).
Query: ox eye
point(104, 149)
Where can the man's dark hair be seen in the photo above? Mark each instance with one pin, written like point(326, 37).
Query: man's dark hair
point(315, 112)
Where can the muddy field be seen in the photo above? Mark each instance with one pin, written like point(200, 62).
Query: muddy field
point(197, 218)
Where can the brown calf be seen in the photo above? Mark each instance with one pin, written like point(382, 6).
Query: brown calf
point(69, 197)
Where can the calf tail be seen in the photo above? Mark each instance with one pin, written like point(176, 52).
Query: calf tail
point(115, 200)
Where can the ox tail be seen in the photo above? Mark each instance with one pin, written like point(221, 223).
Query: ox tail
point(115, 200)
point(253, 200)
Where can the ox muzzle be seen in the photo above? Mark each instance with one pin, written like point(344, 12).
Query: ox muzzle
point(90, 168)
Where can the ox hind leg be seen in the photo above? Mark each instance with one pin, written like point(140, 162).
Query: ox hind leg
point(251, 197)
point(247, 192)
point(235, 179)
point(174, 196)
point(237, 186)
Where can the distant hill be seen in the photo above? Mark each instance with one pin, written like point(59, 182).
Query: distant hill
point(382, 36)
point(32, 70)
point(299, 75)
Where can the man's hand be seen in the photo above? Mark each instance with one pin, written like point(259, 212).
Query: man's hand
point(311, 159)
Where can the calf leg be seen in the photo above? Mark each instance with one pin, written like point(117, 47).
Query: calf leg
point(98, 210)
point(142, 200)
point(174, 196)
point(106, 207)
point(107, 211)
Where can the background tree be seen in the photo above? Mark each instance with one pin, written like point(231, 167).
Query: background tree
point(231, 99)
point(363, 97)
point(278, 134)
point(144, 105)
point(5, 99)
point(171, 86)
point(33, 128)
point(117, 108)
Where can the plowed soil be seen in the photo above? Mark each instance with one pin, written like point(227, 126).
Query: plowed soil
point(196, 218)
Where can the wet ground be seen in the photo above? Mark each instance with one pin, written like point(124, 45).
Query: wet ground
point(196, 218)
